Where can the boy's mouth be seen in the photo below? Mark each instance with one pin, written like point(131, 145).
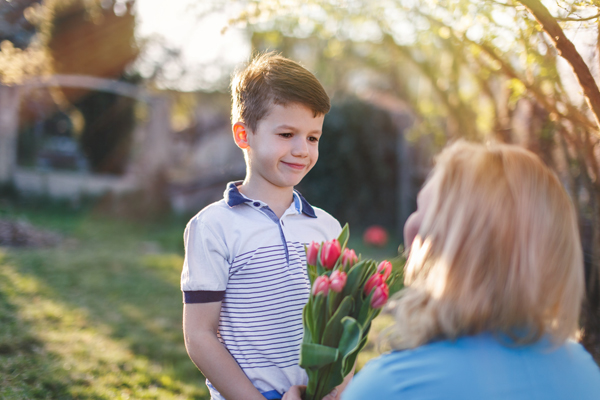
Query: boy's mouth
point(294, 166)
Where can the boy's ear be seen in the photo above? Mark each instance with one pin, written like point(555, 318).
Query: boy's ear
point(240, 135)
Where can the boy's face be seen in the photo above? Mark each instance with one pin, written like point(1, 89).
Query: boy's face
point(285, 145)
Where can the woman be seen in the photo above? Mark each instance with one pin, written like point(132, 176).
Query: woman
point(494, 284)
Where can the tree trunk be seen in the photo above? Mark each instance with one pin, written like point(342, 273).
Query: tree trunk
point(9, 126)
point(590, 315)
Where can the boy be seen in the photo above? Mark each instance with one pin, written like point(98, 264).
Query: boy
point(244, 276)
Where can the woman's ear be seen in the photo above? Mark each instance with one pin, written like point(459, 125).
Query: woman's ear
point(240, 135)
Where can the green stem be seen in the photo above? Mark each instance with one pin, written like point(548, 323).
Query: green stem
point(323, 384)
point(312, 387)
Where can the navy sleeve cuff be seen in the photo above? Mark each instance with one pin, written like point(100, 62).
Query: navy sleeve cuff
point(202, 296)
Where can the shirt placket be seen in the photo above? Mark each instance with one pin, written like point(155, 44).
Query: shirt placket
point(273, 217)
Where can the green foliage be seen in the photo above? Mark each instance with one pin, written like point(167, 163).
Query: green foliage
point(355, 178)
point(108, 133)
point(452, 60)
point(98, 317)
point(480, 69)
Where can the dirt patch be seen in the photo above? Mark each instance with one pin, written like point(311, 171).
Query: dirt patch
point(24, 234)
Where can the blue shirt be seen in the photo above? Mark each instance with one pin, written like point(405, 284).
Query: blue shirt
point(479, 367)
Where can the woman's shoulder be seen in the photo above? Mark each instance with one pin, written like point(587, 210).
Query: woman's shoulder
point(481, 366)
point(372, 381)
point(392, 374)
point(575, 357)
point(409, 358)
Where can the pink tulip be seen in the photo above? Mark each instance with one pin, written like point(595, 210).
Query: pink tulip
point(373, 282)
point(380, 296)
point(321, 285)
point(337, 280)
point(375, 236)
point(385, 269)
point(312, 251)
point(330, 253)
point(349, 258)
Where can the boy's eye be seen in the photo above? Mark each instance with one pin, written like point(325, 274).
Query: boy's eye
point(285, 135)
point(313, 139)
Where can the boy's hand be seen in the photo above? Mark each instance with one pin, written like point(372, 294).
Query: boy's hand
point(297, 391)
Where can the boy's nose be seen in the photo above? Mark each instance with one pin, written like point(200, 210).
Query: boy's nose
point(300, 148)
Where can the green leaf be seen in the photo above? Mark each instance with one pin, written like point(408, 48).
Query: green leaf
point(370, 270)
point(376, 312)
point(350, 340)
point(366, 329)
point(334, 329)
point(344, 235)
point(307, 321)
point(312, 273)
point(364, 341)
point(348, 343)
point(314, 356)
point(319, 316)
point(365, 311)
point(351, 358)
point(354, 278)
point(313, 382)
point(333, 302)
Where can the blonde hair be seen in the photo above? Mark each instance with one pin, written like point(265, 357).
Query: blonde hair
point(498, 251)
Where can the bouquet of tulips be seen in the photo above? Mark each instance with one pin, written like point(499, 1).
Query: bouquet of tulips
point(347, 293)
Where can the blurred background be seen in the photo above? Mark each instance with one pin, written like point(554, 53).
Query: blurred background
point(115, 130)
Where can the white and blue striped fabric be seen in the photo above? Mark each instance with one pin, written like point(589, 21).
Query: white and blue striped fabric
point(238, 252)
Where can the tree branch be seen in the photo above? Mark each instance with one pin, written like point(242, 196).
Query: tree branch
point(574, 115)
point(583, 19)
point(568, 51)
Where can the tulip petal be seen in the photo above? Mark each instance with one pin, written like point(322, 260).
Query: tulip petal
point(320, 268)
point(321, 286)
point(330, 254)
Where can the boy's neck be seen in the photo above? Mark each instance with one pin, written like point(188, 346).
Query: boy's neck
point(277, 198)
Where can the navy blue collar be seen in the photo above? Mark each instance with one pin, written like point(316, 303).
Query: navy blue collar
point(233, 197)
point(306, 207)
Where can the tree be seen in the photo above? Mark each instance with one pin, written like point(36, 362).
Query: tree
point(472, 68)
point(359, 160)
point(72, 37)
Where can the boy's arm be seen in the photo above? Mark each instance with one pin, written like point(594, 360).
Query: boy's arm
point(200, 323)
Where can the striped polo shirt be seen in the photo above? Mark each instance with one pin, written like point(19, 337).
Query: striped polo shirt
point(240, 253)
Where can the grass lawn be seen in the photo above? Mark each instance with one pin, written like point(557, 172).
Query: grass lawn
point(99, 317)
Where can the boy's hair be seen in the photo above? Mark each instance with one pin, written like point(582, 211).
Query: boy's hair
point(498, 251)
point(272, 79)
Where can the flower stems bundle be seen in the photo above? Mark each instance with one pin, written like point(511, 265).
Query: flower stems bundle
point(347, 293)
